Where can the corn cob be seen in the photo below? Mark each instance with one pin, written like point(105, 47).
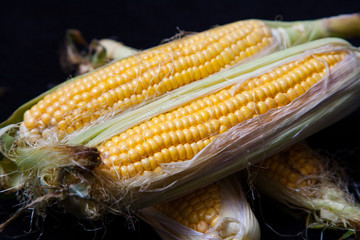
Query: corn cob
point(301, 178)
point(126, 83)
point(297, 105)
point(180, 134)
point(152, 73)
point(217, 211)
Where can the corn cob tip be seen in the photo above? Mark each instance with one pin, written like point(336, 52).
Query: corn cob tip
point(345, 26)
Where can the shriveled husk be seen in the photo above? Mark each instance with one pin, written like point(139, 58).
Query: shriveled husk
point(67, 169)
point(324, 193)
point(236, 219)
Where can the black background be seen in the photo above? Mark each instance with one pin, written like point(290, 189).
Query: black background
point(32, 33)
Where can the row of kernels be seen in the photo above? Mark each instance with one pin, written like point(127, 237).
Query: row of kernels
point(163, 138)
point(129, 165)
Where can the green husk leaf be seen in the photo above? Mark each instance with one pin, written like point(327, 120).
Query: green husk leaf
point(10, 178)
point(343, 26)
point(99, 57)
point(347, 234)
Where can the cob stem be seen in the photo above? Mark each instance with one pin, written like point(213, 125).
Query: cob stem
point(116, 50)
point(343, 26)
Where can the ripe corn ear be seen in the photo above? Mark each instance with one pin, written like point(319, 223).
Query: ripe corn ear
point(142, 77)
point(180, 134)
point(217, 211)
point(301, 178)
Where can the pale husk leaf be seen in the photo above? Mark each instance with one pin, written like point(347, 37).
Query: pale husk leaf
point(237, 221)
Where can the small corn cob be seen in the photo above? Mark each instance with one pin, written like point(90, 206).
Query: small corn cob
point(217, 211)
point(301, 178)
point(121, 85)
point(157, 151)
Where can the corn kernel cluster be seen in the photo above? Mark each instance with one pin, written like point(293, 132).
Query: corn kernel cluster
point(296, 168)
point(198, 210)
